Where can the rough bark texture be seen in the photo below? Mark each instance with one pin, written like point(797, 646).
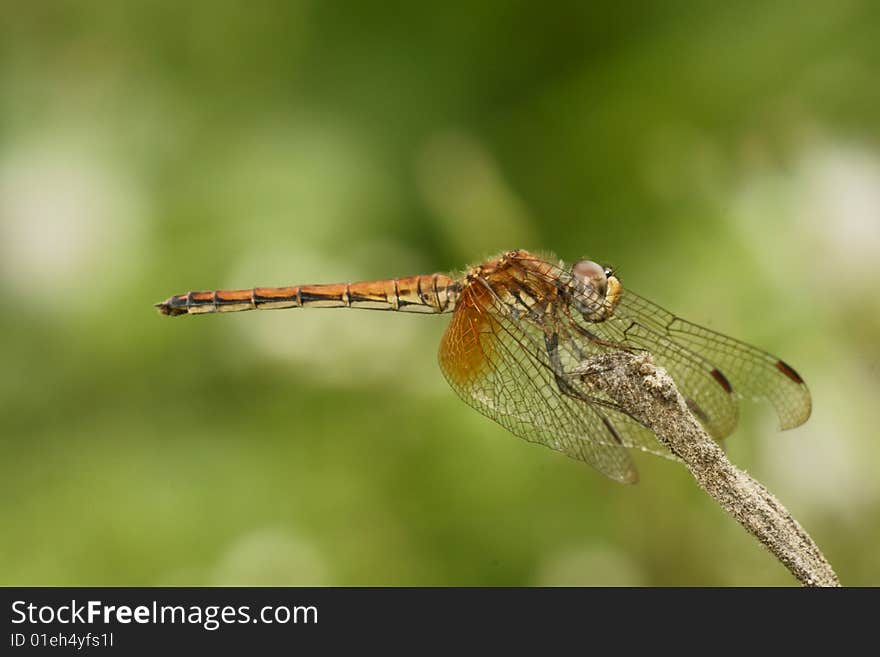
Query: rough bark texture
point(649, 395)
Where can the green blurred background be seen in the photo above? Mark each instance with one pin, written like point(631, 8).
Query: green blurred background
point(726, 160)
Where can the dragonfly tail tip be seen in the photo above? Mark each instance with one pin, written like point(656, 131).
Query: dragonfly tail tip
point(165, 308)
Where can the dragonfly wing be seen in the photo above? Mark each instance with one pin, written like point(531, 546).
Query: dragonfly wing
point(712, 371)
point(633, 326)
point(499, 365)
point(574, 351)
point(708, 393)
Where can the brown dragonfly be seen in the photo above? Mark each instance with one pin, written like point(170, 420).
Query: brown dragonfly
point(522, 324)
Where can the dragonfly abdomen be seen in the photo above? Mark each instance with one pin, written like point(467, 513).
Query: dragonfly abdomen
point(433, 293)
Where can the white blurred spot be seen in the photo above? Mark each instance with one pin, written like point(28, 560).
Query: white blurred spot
point(824, 211)
point(588, 566)
point(839, 197)
point(271, 557)
point(828, 464)
point(475, 209)
point(68, 220)
point(814, 228)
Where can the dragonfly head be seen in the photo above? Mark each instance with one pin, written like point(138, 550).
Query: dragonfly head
point(597, 290)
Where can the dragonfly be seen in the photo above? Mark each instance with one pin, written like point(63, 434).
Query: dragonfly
point(522, 324)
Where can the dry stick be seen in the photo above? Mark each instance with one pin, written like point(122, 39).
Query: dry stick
point(648, 393)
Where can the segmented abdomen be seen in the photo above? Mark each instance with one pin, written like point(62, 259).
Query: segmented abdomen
point(433, 293)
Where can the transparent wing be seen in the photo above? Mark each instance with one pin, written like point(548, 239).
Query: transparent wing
point(751, 372)
point(711, 370)
point(572, 353)
point(507, 367)
point(705, 388)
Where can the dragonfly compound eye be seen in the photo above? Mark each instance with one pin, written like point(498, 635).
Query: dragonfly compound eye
point(590, 275)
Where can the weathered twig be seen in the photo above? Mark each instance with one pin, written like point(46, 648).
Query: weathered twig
point(648, 393)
